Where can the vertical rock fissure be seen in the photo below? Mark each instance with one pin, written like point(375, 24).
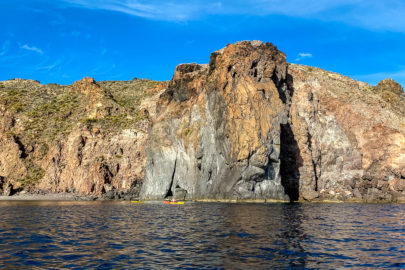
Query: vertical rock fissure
point(290, 158)
point(281, 92)
point(314, 166)
point(290, 161)
point(267, 171)
point(170, 192)
point(315, 175)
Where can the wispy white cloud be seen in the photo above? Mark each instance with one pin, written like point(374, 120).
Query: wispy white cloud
point(156, 10)
point(32, 49)
point(303, 56)
point(8, 57)
point(49, 67)
point(370, 14)
point(5, 48)
point(49, 64)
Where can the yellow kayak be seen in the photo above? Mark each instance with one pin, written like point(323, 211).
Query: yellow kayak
point(169, 202)
point(137, 201)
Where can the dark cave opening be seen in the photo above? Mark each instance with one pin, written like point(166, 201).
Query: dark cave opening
point(170, 192)
point(290, 157)
point(290, 162)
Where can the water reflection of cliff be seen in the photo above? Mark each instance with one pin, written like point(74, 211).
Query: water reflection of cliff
point(309, 236)
point(350, 235)
point(196, 235)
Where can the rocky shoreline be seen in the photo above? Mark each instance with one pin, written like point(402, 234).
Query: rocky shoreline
point(112, 195)
point(83, 198)
point(39, 197)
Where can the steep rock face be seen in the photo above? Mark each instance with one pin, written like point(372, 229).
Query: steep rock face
point(89, 161)
point(11, 165)
point(248, 127)
point(87, 138)
point(350, 139)
point(217, 132)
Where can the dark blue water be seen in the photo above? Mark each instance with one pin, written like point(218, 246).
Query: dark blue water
point(116, 235)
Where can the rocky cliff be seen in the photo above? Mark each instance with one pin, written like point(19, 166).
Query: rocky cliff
point(247, 126)
point(88, 138)
point(348, 138)
point(217, 133)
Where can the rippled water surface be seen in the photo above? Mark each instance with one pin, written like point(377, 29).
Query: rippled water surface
point(120, 235)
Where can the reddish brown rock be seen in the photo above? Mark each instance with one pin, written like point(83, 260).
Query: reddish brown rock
point(79, 138)
point(345, 132)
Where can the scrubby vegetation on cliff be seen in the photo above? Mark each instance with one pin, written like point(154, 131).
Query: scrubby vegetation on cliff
point(39, 116)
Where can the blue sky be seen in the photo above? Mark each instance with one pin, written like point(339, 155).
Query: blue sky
point(64, 40)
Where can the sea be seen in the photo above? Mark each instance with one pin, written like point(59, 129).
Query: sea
point(125, 235)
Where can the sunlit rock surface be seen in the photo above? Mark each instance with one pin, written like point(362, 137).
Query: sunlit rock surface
point(245, 126)
point(217, 133)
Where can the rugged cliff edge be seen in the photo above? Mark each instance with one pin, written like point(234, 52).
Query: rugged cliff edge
point(247, 126)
